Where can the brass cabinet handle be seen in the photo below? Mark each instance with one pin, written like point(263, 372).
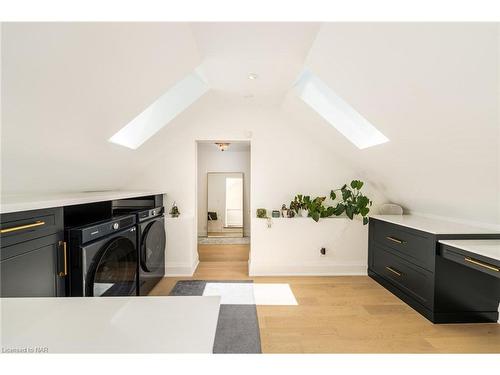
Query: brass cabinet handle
point(20, 227)
point(481, 264)
point(394, 239)
point(393, 271)
point(65, 272)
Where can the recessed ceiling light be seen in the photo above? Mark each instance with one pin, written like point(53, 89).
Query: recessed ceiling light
point(252, 76)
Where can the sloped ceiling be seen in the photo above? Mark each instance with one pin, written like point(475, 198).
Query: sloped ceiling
point(67, 87)
point(275, 51)
point(432, 89)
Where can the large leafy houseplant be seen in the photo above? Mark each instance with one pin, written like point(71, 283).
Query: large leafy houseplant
point(353, 201)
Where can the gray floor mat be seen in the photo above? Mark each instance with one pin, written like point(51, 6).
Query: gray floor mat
point(188, 288)
point(237, 330)
point(237, 326)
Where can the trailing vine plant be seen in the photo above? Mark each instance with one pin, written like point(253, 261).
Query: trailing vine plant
point(352, 202)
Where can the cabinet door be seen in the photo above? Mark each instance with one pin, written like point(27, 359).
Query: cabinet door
point(31, 269)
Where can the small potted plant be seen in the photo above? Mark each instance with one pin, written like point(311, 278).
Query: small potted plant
point(261, 213)
point(174, 211)
point(284, 211)
point(300, 205)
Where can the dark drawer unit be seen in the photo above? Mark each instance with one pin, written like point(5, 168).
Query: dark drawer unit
point(415, 246)
point(413, 280)
point(32, 254)
point(27, 225)
point(442, 284)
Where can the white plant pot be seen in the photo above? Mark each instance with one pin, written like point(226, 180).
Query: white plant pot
point(304, 213)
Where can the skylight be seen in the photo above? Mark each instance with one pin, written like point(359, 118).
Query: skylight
point(162, 111)
point(320, 97)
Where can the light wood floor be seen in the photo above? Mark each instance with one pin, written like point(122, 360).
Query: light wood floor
point(223, 253)
point(343, 314)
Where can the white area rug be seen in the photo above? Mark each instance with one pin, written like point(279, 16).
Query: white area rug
point(251, 293)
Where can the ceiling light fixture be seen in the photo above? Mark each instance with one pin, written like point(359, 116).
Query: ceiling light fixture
point(222, 146)
point(252, 76)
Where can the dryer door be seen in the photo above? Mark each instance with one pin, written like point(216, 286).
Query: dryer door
point(115, 270)
point(153, 247)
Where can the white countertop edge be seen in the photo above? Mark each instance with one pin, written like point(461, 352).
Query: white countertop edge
point(17, 203)
point(433, 226)
point(302, 218)
point(151, 324)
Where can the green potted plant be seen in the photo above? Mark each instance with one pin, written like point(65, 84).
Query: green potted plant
point(353, 201)
point(317, 209)
point(300, 205)
point(261, 213)
point(174, 211)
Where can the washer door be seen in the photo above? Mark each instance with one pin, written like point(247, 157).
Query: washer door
point(115, 271)
point(153, 247)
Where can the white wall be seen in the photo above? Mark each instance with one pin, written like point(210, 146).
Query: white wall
point(292, 247)
point(180, 258)
point(210, 159)
point(68, 87)
point(285, 161)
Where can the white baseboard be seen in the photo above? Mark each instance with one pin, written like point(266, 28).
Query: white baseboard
point(181, 269)
point(333, 269)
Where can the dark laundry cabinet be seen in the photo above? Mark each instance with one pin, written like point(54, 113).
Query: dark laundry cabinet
point(35, 248)
point(32, 253)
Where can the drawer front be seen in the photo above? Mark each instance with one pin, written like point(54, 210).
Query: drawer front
point(23, 226)
point(477, 262)
point(412, 280)
point(414, 246)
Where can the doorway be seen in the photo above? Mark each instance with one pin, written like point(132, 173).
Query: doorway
point(225, 204)
point(223, 190)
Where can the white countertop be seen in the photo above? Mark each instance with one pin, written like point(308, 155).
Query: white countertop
point(486, 248)
point(15, 203)
point(434, 226)
point(110, 324)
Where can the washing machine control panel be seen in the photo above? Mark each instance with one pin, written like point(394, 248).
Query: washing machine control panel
point(148, 214)
point(101, 229)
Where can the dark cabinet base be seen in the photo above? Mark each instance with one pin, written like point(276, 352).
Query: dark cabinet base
point(412, 265)
point(433, 316)
point(401, 295)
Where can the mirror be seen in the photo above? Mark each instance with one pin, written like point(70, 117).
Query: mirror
point(225, 204)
